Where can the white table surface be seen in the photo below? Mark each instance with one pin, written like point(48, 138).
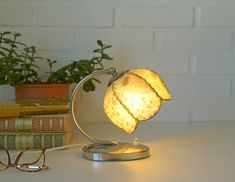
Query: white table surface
point(200, 152)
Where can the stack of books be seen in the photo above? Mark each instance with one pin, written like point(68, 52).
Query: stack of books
point(37, 124)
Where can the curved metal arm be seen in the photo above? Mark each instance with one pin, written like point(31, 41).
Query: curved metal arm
point(110, 71)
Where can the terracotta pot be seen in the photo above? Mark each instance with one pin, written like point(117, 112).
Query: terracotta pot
point(42, 91)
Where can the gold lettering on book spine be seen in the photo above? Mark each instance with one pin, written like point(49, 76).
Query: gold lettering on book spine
point(40, 124)
point(61, 123)
point(6, 124)
point(50, 124)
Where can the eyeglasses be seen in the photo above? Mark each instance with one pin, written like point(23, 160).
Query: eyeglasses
point(28, 160)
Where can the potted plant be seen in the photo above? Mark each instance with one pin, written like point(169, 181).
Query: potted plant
point(9, 59)
point(19, 69)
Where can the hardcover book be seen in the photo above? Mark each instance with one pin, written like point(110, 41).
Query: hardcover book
point(35, 140)
point(37, 123)
point(33, 107)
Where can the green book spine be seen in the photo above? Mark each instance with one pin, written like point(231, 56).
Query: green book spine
point(35, 140)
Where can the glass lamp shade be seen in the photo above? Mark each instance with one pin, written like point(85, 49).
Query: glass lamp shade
point(135, 96)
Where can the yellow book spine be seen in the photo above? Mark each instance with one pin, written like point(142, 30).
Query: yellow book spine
point(16, 109)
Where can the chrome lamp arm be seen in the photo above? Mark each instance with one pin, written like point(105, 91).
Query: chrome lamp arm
point(110, 71)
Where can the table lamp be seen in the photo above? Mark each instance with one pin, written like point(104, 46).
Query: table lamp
point(132, 96)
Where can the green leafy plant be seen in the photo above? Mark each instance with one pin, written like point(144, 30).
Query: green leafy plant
point(9, 58)
point(26, 70)
point(18, 67)
point(77, 70)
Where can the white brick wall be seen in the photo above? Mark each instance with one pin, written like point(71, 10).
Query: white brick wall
point(74, 16)
point(218, 17)
point(200, 88)
point(123, 41)
point(155, 17)
point(189, 42)
point(16, 15)
point(213, 111)
point(200, 41)
point(215, 65)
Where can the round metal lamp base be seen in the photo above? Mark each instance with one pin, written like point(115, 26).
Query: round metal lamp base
point(115, 152)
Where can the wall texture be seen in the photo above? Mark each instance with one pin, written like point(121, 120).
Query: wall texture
point(189, 42)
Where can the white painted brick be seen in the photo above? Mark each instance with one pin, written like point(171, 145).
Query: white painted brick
point(197, 41)
point(156, 17)
point(201, 3)
point(199, 88)
point(48, 39)
point(74, 16)
point(122, 41)
point(214, 111)
point(219, 2)
point(164, 65)
point(218, 17)
point(173, 112)
point(215, 65)
point(16, 15)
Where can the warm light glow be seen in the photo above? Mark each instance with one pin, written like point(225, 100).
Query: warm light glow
point(135, 96)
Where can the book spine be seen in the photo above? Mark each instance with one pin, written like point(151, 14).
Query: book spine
point(29, 110)
point(37, 140)
point(36, 124)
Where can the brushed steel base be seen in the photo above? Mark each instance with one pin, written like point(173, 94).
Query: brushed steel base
point(115, 152)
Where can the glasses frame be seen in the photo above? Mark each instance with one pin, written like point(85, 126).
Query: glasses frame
point(28, 166)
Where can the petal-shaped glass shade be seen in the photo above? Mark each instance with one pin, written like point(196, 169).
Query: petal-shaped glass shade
point(155, 81)
point(136, 96)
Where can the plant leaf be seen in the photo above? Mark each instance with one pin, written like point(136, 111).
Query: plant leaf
point(106, 47)
point(100, 43)
point(105, 56)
